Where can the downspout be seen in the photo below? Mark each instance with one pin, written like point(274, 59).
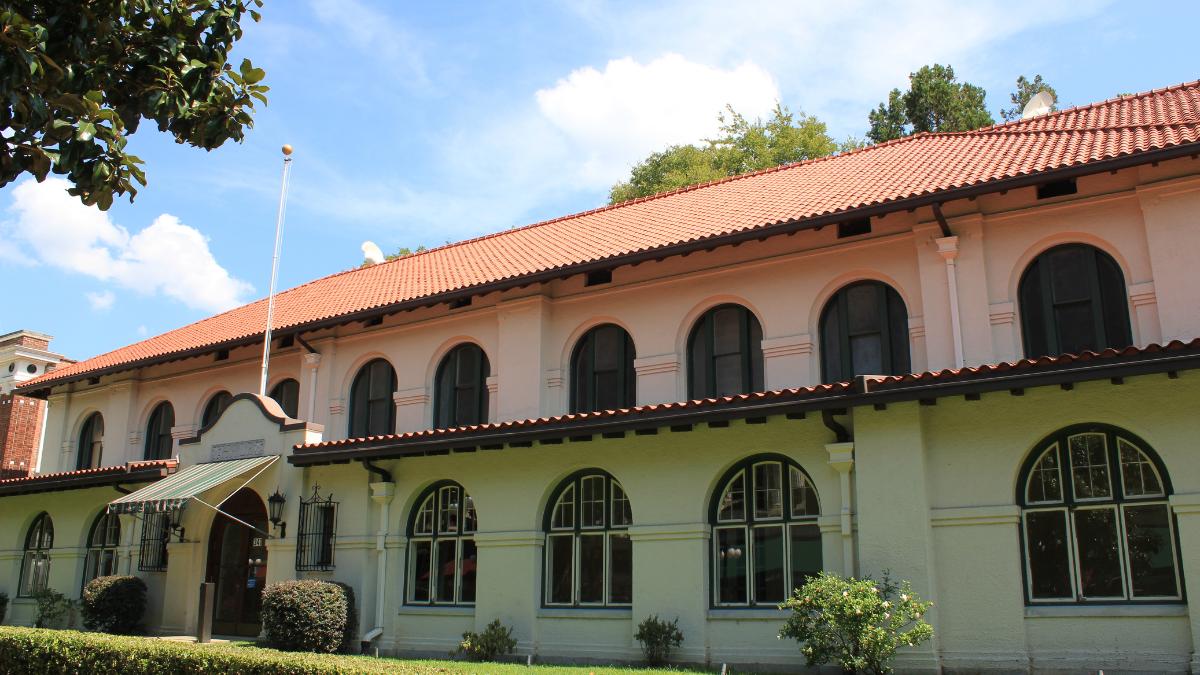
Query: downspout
point(382, 491)
point(947, 247)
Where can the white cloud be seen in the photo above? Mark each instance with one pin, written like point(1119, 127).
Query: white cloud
point(616, 116)
point(379, 40)
point(167, 257)
point(101, 301)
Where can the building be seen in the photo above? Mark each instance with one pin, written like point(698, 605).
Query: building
point(24, 355)
point(891, 359)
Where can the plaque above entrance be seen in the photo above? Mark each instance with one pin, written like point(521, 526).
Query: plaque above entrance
point(238, 450)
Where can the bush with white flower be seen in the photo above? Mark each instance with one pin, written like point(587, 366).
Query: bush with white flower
point(856, 623)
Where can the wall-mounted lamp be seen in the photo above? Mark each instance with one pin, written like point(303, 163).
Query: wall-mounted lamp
point(175, 521)
point(275, 503)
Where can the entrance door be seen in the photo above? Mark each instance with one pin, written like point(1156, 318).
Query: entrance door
point(237, 564)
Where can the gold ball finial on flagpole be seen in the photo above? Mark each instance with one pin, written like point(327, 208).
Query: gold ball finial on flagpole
point(287, 149)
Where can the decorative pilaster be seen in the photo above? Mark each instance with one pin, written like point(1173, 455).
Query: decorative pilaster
point(841, 458)
point(312, 364)
point(947, 248)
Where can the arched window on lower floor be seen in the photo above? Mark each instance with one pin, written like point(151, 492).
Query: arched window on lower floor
point(589, 556)
point(766, 541)
point(442, 559)
point(35, 564)
point(91, 442)
point(287, 394)
point(1096, 522)
point(103, 540)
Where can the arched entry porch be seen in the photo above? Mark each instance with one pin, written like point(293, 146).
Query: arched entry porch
point(237, 564)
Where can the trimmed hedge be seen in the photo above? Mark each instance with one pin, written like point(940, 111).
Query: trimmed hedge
point(51, 652)
point(113, 604)
point(306, 615)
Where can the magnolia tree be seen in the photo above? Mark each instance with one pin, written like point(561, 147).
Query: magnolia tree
point(856, 623)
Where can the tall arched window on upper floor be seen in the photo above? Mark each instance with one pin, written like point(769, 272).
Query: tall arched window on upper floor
point(725, 353)
point(442, 559)
point(460, 388)
point(1072, 299)
point(864, 331)
point(766, 541)
point(158, 431)
point(103, 540)
point(1097, 526)
point(372, 407)
point(589, 556)
point(35, 565)
point(602, 375)
point(217, 403)
point(287, 394)
point(91, 442)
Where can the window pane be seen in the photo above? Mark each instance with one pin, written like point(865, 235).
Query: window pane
point(468, 568)
point(422, 552)
point(804, 497)
point(448, 510)
point(620, 569)
point(731, 565)
point(727, 331)
point(733, 502)
point(622, 514)
point(564, 510)
point(1076, 328)
point(559, 568)
point(424, 522)
point(1151, 551)
point(591, 501)
point(1045, 481)
point(1138, 476)
point(466, 406)
point(1049, 555)
point(728, 371)
point(831, 343)
point(609, 340)
point(862, 306)
point(1099, 553)
point(1114, 302)
point(700, 356)
point(591, 568)
point(805, 552)
point(866, 354)
point(470, 519)
point(768, 490)
point(769, 580)
point(1032, 303)
point(446, 565)
point(1089, 466)
point(608, 395)
point(1069, 273)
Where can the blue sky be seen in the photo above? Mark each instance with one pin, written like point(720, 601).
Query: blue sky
point(422, 123)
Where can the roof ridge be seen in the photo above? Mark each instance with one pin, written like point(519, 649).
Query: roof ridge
point(1088, 106)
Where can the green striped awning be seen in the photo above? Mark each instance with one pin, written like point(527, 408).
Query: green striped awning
point(174, 491)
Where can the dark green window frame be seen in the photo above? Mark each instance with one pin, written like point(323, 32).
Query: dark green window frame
point(578, 534)
point(159, 443)
point(372, 407)
point(216, 405)
point(287, 394)
point(837, 340)
point(587, 392)
point(435, 522)
point(1059, 502)
point(702, 356)
point(35, 564)
point(1106, 300)
point(462, 374)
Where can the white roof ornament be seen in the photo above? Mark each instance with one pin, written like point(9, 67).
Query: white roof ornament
point(1039, 104)
point(371, 253)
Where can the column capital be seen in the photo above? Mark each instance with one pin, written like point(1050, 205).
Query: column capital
point(947, 247)
point(841, 456)
point(382, 492)
point(312, 360)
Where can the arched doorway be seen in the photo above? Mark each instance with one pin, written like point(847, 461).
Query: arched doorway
point(237, 564)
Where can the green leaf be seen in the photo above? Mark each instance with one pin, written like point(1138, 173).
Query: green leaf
point(85, 132)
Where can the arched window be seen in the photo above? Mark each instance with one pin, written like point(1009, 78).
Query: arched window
point(1095, 519)
point(1073, 299)
point(158, 431)
point(442, 559)
point(460, 390)
point(766, 541)
point(725, 353)
point(91, 442)
point(372, 409)
point(864, 331)
point(287, 395)
point(215, 406)
point(602, 376)
point(35, 566)
point(589, 556)
point(103, 541)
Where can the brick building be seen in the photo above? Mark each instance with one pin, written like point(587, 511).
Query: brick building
point(24, 355)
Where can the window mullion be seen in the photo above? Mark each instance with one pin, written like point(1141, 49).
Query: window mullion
point(1097, 305)
point(1046, 273)
point(883, 324)
point(844, 337)
point(710, 377)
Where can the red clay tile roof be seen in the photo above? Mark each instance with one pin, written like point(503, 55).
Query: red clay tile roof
point(104, 475)
point(1176, 355)
point(912, 167)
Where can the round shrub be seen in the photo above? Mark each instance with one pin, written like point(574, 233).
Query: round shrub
point(113, 604)
point(305, 615)
point(350, 635)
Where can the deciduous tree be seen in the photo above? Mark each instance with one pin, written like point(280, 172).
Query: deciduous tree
point(935, 101)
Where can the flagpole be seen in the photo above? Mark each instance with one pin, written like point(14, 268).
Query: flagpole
point(283, 189)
